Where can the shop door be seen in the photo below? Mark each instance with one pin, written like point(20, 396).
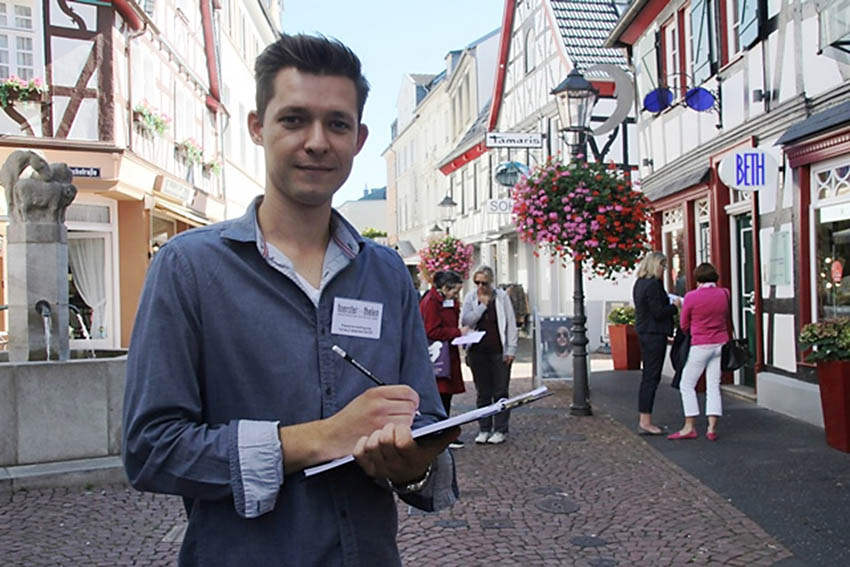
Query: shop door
point(746, 326)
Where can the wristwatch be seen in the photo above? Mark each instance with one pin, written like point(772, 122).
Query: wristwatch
point(414, 486)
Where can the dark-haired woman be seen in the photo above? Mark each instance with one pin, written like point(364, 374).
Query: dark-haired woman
point(705, 315)
point(440, 311)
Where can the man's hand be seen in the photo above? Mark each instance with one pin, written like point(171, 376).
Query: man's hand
point(391, 452)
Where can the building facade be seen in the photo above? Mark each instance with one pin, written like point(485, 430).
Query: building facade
point(131, 100)
point(735, 77)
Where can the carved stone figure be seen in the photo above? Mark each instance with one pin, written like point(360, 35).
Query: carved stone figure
point(41, 198)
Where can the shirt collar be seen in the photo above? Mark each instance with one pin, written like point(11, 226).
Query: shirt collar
point(244, 229)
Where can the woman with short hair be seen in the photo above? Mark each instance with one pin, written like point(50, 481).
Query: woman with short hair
point(705, 315)
point(654, 313)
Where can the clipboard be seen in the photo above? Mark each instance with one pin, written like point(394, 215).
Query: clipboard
point(440, 426)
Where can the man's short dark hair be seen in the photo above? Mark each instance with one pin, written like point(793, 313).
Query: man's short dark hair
point(309, 54)
point(705, 272)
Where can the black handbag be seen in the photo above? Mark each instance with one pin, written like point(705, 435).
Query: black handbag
point(679, 355)
point(736, 352)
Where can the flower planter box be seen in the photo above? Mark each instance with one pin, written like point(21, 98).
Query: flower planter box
point(834, 381)
point(625, 348)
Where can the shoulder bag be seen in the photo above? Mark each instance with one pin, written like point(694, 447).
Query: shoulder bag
point(736, 352)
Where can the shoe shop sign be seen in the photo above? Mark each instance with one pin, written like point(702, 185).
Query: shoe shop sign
point(749, 170)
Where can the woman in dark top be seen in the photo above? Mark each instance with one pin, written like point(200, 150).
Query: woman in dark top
point(653, 323)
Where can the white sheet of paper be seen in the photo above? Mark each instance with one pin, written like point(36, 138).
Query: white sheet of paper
point(673, 297)
point(438, 426)
point(469, 338)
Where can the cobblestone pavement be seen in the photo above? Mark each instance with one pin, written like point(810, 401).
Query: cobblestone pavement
point(579, 491)
point(561, 491)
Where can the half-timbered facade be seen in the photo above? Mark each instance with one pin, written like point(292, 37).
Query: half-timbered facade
point(132, 102)
point(771, 75)
point(541, 41)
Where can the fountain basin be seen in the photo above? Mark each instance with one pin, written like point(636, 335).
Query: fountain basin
point(58, 411)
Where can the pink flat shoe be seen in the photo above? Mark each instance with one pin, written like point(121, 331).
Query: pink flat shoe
point(678, 435)
point(711, 436)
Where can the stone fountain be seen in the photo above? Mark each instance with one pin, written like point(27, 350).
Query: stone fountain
point(60, 416)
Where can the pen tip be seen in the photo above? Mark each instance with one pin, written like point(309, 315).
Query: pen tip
point(338, 350)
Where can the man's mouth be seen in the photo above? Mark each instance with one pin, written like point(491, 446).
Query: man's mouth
point(313, 167)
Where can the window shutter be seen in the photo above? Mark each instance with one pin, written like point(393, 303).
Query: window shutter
point(701, 38)
point(748, 16)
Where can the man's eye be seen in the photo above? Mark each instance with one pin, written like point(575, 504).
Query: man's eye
point(290, 120)
point(340, 125)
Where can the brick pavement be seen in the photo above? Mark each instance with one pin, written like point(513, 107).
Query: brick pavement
point(562, 491)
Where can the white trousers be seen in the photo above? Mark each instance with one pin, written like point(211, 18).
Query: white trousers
point(702, 357)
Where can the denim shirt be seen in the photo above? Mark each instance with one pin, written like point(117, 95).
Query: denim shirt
point(227, 345)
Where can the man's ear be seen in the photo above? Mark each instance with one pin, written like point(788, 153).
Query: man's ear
point(362, 134)
point(255, 128)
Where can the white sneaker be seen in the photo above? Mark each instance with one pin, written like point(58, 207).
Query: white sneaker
point(458, 444)
point(496, 438)
point(482, 437)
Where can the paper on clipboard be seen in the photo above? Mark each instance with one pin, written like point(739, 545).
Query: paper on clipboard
point(469, 338)
point(437, 427)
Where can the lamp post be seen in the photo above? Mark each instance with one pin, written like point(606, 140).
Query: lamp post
point(447, 208)
point(575, 98)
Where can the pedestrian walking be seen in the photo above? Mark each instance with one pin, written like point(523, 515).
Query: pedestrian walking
point(440, 310)
point(226, 410)
point(489, 309)
point(654, 311)
point(705, 315)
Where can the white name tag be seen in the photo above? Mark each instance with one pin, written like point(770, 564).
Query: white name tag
point(448, 303)
point(356, 318)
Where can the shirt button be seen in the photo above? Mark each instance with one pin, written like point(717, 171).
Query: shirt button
point(328, 391)
point(343, 514)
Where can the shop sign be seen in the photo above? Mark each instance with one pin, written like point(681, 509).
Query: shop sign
point(513, 140)
point(176, 189)
point(77, 171)
point(779, 267)
point(500, 206)
point(749, 170)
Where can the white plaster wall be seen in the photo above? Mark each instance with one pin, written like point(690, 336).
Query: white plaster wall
point(85, 122)
point(820, 73)
point(486, 60)
point(784, 347)
point(365, 214)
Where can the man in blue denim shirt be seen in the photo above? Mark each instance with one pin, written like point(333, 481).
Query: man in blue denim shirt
point(232, 386)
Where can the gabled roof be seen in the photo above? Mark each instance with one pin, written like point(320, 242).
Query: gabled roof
point(421, 78)
point(584, 26)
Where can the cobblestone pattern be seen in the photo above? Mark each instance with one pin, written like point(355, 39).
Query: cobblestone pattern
point(561, 491)
point(634, 507)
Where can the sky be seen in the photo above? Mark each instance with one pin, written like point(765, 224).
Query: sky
point(392, 38)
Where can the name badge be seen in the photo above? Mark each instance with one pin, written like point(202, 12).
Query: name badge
point(356, 318)
point(448, 303)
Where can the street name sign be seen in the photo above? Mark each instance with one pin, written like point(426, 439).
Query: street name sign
point(513, 140)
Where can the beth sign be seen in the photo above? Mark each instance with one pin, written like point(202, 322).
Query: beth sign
point(749, 170)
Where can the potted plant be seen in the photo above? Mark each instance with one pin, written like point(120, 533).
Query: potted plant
point(15, 88)
point(445, 253)
point(190, 151)
point(149, 119)
point(625, 348)
point(212, 167)
point(830, 343)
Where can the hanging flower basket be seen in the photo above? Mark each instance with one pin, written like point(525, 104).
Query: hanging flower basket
point(150, 119)
point(585, 211)
point(190, 150)
point(15, 88)
point(445, 253)
point(212, 167)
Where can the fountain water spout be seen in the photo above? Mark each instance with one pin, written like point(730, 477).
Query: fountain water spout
point(85, 330)
point(42, 307)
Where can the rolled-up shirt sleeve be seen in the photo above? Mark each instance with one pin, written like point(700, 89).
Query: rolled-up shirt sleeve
point(260, 468)
point(168, 446)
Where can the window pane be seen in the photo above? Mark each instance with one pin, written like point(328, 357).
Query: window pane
point(3, 19)
point(674, 249)
point(23, 17)
point(833, 253)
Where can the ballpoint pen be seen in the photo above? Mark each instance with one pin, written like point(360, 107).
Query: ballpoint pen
point(360, 367)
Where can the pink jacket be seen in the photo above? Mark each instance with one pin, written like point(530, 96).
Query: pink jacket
point(705, 315)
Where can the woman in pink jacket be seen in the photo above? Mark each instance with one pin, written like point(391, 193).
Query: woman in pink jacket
point(705, 315)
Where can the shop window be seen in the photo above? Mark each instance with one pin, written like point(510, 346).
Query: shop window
point(703, 39)
point(832, 240)
point(703, 231)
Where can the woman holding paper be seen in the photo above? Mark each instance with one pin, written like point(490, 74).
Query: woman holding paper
point(488, 309)
point(654, 311)
point(440, 310)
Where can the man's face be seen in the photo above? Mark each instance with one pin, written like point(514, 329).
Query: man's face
point(310, 134)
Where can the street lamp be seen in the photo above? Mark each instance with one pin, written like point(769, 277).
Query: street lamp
point(447, 209)
point(575, 98)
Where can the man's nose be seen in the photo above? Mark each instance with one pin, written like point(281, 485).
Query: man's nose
point(317, 140)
